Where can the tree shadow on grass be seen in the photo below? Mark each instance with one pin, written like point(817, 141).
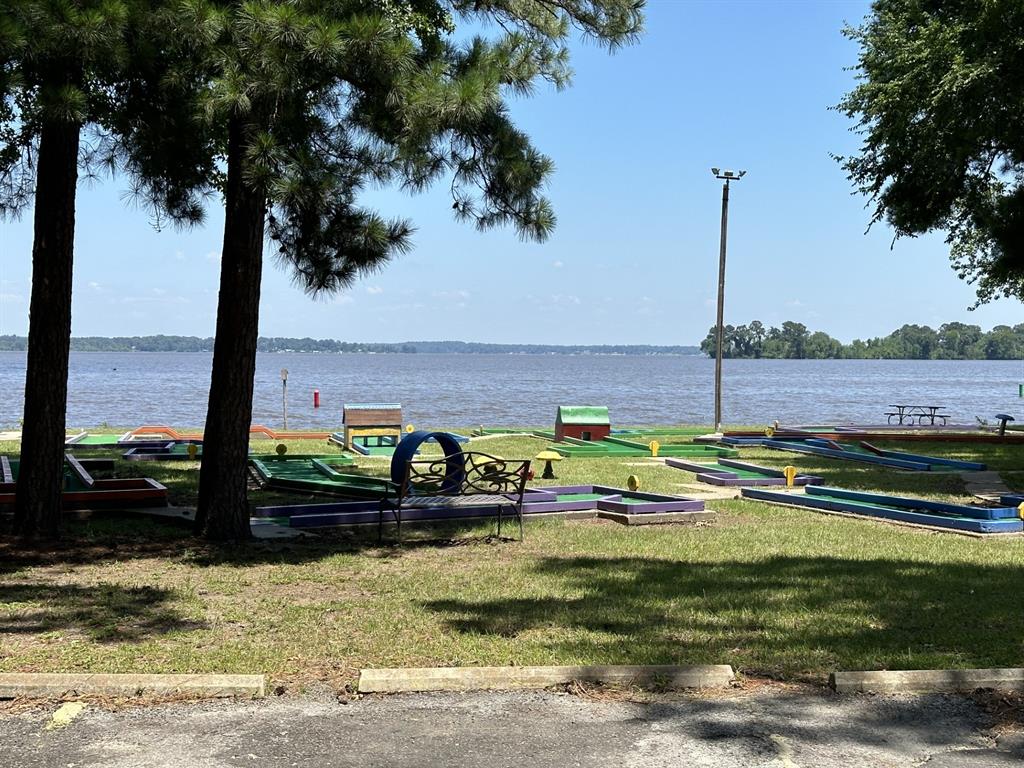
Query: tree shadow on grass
point(107, 613)
point(780, 615)
point(114, 536)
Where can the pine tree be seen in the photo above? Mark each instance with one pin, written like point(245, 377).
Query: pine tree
point(305, 103)
point(58, 60)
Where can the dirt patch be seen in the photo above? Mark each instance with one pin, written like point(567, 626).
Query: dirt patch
point(1004, 707)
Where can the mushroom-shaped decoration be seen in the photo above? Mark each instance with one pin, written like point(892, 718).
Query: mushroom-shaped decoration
point(547, 457)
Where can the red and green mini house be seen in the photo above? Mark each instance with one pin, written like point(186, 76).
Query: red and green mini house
point(583, 422)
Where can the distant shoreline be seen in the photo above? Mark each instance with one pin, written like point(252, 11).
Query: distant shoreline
point(270, 344)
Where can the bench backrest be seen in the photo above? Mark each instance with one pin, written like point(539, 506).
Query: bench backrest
point(464, 474)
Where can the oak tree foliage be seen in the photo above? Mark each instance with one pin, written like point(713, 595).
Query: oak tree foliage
point(938, 104)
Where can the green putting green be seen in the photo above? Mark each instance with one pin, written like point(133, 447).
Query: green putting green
point(111, 440)
point(716, 467)
point(664, 431)
point(612, 447)
point(376, 450)
point(317, 474)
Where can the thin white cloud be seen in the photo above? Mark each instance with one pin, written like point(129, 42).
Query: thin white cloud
point(374, 290)
point(155, 300)
point(451, 295)
point(557, 264)
point(415, 306)
point(557, 301)
point(213, 256)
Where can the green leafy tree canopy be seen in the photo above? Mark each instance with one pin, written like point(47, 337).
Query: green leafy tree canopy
point(938, 106)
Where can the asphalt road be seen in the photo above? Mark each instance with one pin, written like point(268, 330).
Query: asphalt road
point(490, 730)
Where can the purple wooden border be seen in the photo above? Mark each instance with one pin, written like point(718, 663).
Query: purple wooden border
point(535, 501)
point(676, 505)
point(715, 477)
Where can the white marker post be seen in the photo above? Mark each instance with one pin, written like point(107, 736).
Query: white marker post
point(284, 395)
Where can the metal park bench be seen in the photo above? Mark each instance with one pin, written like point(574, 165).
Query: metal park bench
point(457, 482)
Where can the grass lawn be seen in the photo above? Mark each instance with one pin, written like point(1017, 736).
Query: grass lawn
point(775, 592)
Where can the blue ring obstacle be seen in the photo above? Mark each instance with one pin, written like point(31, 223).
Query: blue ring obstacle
point(406, 450)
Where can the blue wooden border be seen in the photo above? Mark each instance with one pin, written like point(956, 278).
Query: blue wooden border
point(839, 505)
point(958, 510)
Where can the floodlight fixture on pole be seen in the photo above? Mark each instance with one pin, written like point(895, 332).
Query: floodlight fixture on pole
point(726, 176)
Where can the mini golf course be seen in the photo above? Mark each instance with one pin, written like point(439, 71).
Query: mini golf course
point(89, 441)
point(175, 450)
point(379, 445)
point(867, 453)
point(82, 491)
point(617, 504)
point(735, 473)
point(938, 435)
point(662, 431)
point(934, 514)
point(256, 431)
point(614, 447)
point(313, 474)
point(317, 474)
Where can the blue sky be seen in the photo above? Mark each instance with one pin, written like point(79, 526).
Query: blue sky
point(634, 258)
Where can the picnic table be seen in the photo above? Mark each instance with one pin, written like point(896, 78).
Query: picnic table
point(908, 414)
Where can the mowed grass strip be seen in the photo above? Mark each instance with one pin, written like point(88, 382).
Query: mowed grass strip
point(778, 592)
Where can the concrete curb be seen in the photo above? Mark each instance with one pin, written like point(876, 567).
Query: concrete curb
point(46, 685)
point(512, 678)
point(927, 680)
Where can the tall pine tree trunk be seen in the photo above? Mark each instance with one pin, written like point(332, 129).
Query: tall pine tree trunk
point(41, 473)
point(223, 513)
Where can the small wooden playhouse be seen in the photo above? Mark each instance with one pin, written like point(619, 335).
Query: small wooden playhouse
point(583, 422)
point(363, 421)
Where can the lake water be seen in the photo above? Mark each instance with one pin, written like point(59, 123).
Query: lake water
point(129, 389)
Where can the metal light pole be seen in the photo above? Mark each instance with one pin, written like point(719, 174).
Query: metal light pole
point(727, 176)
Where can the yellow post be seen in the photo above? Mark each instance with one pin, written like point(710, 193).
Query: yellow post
point(192, 449)
point(410, 428)
point(790, 474)
point(769, 432)
point(633, 482)
point(655, 446)
point(1020, 510)
point(281, 449)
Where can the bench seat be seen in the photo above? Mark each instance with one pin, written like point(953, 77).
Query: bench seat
point(471, 500)
point(459, 481)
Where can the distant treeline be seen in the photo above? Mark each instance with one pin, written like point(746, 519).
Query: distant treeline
point(472, 347)
point(279, 344)
point(952, 341)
